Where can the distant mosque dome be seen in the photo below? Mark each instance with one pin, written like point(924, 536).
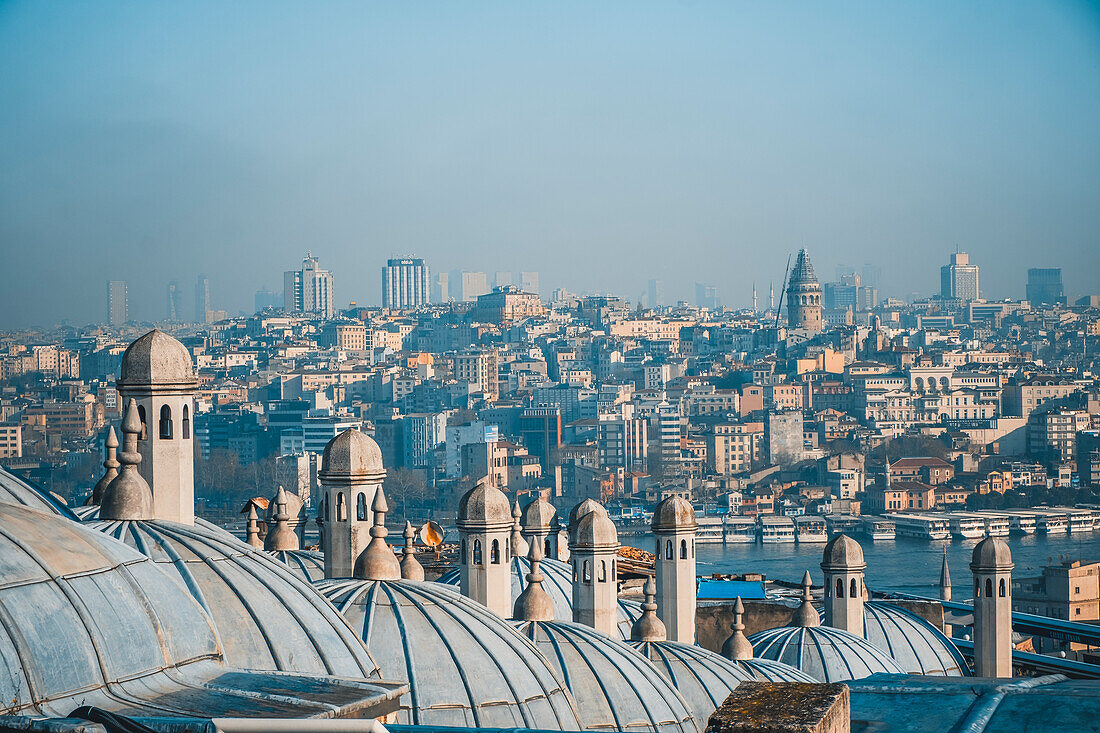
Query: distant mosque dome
point(916, 645)
point(824, 653)
point(14, 490)
point(615, 687)
point(558, 583)
point(466, 667)
point(266, 616)
point(156, 358)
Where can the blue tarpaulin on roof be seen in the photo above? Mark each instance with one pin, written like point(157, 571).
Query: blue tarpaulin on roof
point(727, 590)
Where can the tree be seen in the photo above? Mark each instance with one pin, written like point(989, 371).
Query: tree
point(407, 486)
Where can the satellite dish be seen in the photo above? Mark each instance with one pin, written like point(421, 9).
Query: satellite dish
point(431, 534)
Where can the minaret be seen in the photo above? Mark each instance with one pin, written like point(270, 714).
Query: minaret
point(806, 614)
point(378, 562)
point(593, 548)
point(945, 579)
point(534, 603)
point(674, 529)
point(843, 565)
point(281, 537)
point(991, 564)
point(737, 646)
point(754, 296)
point(516, 542)
point(411, 569)
point(157, 373)
point(351, 474)
point(540, 524)
point(128, 496)
point(252, 531)
point(649, 626)
point(771, 296)
point(484, 527)
point(110, 463)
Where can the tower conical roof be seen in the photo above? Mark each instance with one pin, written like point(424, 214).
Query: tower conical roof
point(803, 272)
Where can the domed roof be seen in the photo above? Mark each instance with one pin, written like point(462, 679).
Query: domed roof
point(916, 645)
point(351, 453)
point(769, 670)
point(992, 553)
point(466, 667)
point(842, 552)
point(558, 583)
point(15, 490)
point(309, 565)
point(595, 530)
point(265, 615)
point(703, 678)
point(674, 512)
point(156, 358)
point(615, 687)
point(822, 652)
point(89, 621)
point(539, 516)
point(484, 505)
point(585, 507)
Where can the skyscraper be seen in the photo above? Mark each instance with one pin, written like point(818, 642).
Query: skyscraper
point(1044, 285)
point(529, 282)
point(471, 285)
point(500, 279)
point(441, 289)
point(656, 293)
point(706, 296)
point(959, 279)
point(202, 299)
point(804, 295)
point(406, 283)
point(118, 302)
point(308, 290)
point(175, 302)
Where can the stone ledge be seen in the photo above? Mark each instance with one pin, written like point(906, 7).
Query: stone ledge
point(783, 707)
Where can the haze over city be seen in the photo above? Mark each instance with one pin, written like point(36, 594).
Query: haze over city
point(600, 146)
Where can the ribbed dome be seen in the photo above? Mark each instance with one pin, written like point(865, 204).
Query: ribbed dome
point(265, 615)
point(596, 530)
point(484, 505)
point(842, 552)
point(156, 358)
point(674, 512)
point(352, 454)
point(703, 678)
point(558, 583)
point(916, 645)
point(577, 512)
point(822, 652)
point(539, 515)
point(86, 620)
point(14, 490)
point(803, 272)
point(466, 667)
point(992, 553)
point(309, 565)
point(615, 687)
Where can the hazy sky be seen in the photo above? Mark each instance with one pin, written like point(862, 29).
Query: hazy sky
point(601, 144)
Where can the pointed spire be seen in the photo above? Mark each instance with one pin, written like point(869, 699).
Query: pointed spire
point(128, 496)
point(110, 463)
point(411, 569)
point(252, 535)
point(377, 562)
point(806, 614)
point(534, 603)
point(738, 646)
point(281, 537)
point(649, 627)
point(945, 578)
point(519, 545)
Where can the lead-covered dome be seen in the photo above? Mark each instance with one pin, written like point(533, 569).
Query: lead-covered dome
point(265, 615)
point(15, 490)
point(703, 678)
point(353, 454)
point(615, 687)
point(466, 667)
point(916, 645)
point(156, 358)
point(824, 653)
point(673, 513)
point(485, 505)
point(309, 565)
point(992, 553)
point(842, 552)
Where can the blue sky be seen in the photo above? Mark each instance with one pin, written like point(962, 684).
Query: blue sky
point(601, 144)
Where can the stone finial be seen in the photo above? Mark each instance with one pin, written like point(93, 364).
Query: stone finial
point(281, 537)
point(110, 463)
point(411, 569)
point(806, 614)
point(534, 603)
point(519, 545)
point(252, 533)
point(377, 561)
point(737, 646)
point(649, 626)
point(128, 496)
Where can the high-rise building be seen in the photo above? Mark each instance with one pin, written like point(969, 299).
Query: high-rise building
point(175, 302)
point(441, 288)
point(118, 302)
point(471, 285)
point(308, 290)
point(501, 279)
point(202, 300)
point(656, 293)
point(406, 283)
point(959, 279)
point(529, 282)
point(804, 295)
point(267, 299)
point(706, 296)
point(1044, 285)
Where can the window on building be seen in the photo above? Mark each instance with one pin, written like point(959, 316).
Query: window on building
point(165, 422)
point(186, 423)
point(361, 507)
point(341, 508)
point(494, 552)
point(839, 587)
point(477, 552)
point(683, 549)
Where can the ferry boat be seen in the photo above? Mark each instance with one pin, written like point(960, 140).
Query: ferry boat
point(965, 526)
point(842, 523)
point(877, 528)
point(922, 526)
point(740, 530)
point(776, 529)
point(1019, 522)
point(1081, 520)
point(711, 530)
point(1052, 522)
point(997, 525)
point(811, 529)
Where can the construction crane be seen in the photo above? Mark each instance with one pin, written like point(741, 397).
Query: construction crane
point(782, 292)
